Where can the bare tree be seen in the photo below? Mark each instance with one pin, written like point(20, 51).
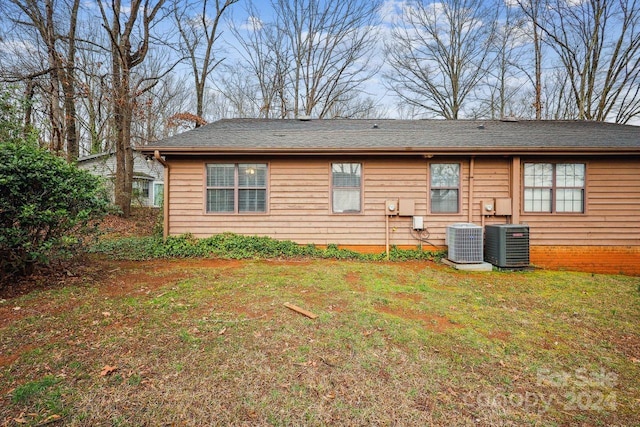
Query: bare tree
point(499, 95)
point(268, 58)
point(155, 108)
point(313, 55)
point(199, 33)
point(94, 93)
point(534, 9)
point(356, 108)
point(439, 53)
point(55, 24)
point(126, 28)
point(598, 44)
point(332, 42)
point(238, 94)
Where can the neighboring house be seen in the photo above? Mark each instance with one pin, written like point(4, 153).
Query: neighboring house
point(576, 184)
point(147, 176)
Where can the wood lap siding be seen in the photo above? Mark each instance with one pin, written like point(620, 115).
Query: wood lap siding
point(612, 216)
point(299, 208)
point(492, 180)
point(299, 202)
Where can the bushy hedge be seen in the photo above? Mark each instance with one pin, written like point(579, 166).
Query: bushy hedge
point(47, 206)
point(234, 246)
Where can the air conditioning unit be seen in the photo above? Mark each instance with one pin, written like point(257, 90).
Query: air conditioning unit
point(465, 243)
point(507, 245)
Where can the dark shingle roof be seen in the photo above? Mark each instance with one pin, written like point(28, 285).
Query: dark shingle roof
point(394, 136)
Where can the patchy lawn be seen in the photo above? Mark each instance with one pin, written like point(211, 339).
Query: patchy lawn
point(209, 342)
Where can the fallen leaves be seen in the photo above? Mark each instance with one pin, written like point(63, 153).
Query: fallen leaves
point(48, 420)
point(108, 370)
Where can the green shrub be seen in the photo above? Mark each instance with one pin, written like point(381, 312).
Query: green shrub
point(47, 207)
point(234, 246)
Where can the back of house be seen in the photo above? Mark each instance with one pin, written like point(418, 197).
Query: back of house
point(574, 184)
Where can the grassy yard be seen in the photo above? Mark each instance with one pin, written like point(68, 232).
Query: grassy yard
point(209, 342)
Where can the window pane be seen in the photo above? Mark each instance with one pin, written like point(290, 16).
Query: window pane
point(537, 200)
point(346, 174)
point(158, 190)
point(538, 174)
point(346, 200)
point(252, 175)
point(570, 175)
point(252, 200)
point(444, 201)
point(445, 175)
point(220, 175)
point(220, 201)
point(569, 200)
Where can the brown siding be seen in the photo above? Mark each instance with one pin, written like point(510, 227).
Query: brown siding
point(492, 180)
point(300, 203)
point(299, 206)
point(612, 213)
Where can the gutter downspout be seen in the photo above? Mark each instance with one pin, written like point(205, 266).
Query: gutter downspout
point(165, 195)
point(471, 172)
point(515, 189)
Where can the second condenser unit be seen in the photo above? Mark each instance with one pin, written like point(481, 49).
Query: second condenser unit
point(507, 245)
point(464, 242)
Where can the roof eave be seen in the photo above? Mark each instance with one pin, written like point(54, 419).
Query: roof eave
point(502, 151)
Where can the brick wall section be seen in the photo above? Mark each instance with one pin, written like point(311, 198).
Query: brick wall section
point(594, 259)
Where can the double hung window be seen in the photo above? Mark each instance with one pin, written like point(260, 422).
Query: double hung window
point(445, 187)
point(236, 188)
point(346, 183)
point(554, 187)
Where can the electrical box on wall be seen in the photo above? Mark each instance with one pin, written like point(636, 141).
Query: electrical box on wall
point(391, 207)
point(407, 207)
point(418, 223)
point(503, 207)
point(488, 207)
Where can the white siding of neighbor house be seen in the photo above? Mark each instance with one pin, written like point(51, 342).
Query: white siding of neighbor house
point(104, 165)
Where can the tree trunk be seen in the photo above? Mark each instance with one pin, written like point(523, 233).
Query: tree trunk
point(69, 88)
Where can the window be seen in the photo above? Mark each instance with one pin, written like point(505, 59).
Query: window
point(445, 187)
point(236, 187)
point(346, 180)
point(550, 187)
point(141, 188)
point(158, 191)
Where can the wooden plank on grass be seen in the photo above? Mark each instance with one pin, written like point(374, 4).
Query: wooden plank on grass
point(302, 311)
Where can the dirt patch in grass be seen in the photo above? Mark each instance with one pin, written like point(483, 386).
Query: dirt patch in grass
point(354, 280)
point(202, 342)
point(132, 276)
point(431, 321)
point(499, 335)
point(415, 298)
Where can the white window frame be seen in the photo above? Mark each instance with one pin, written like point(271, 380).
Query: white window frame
point(552, 187)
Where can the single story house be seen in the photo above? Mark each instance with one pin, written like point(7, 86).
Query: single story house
point(148, 175)
point(360, 183)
